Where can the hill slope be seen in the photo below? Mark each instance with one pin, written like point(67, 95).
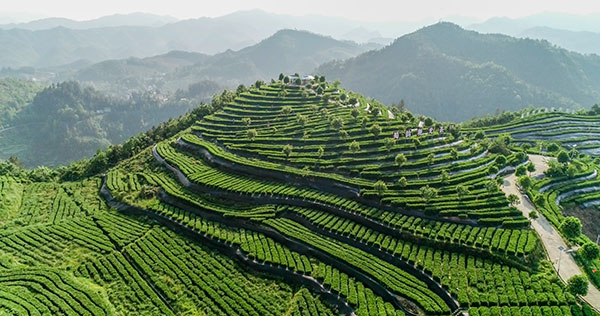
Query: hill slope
point(450, 73)
point(287, 51)
point(281, 193)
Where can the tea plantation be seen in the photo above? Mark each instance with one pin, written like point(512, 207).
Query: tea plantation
point(297, 199)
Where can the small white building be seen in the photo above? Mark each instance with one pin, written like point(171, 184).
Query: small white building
point(304, 79)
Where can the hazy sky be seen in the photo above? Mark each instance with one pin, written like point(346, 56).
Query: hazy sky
point(365, 10)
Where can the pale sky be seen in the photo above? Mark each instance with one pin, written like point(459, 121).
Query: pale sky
point(362, 10)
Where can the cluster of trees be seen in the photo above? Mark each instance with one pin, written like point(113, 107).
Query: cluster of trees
point(72, 122)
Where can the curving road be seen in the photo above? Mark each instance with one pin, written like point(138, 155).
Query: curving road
point(553, 243)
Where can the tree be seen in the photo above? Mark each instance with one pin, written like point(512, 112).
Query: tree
point(400, 160)
point(430, 158)
point(281, 75)
point(364, 122)
point(402, 182)
point(14, 160)
point(571, 171)
point(355, 113)
point(302, 119)
point(500, 161)
point(571, 227)
point(428, 193)
point(252, 133)
point(563, 157)
point(343, 134)
point(553, 147)
point(444, 177)
point(525, 182)
point(461, 191)
point(286, 110)
point(539, 200)
point(589, 250)
point(479, 135)
point(491, 186)
point(247, 121)
point(530, 167)
point(337, 123)
point(354, 146)
point(513, 199)
point(320, 152)
point(428, 121)
point(298, 82)
point(389, 143)
point(375, 130)
point(521, 171)
point(380, 187)
point(533, 215)
point(453, 154)
point(578, 285)
point(287, 150)
point(343, 97)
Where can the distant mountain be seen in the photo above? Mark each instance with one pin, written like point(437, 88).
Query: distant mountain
point(454, 74)
point(67, 121)
point(132, 19)
point(579, 33)
point(287, 51)
point(571, 22)
point(581, 42)
point(55, 42)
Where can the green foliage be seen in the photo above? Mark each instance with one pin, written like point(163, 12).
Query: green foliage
point(375, 129)
point(563, 157)
point(521, 171)
point(402, 182)
point(428, 193)
point(252, 133)
point(533, 215)
point(354, 146)
point(287, 150)
point(571, 227)
point(400, 159)
point(578, 285)
point(589, 251)
point(525, 182)
point(513, 199)
point(380, 187)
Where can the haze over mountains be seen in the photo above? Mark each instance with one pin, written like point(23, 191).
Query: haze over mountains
point(442, 70)
point(454, 74)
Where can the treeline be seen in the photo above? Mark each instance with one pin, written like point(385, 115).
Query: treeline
point(66, 122)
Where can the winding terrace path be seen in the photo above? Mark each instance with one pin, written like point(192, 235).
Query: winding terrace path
point(553, 243)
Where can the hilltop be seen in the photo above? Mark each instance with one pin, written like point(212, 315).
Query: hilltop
point(451, 73)
point(291, 197)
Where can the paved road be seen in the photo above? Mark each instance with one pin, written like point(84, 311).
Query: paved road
point(551, 239)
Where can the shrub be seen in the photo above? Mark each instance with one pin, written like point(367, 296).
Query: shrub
point(354, 146)
point(287, 150)
point(380, 187)
point(375, 130)
point(402, 182)
point(533, 215)
point(563, 157)
point(400, 159)
point(553, 147)
point(428, 193)
point(520, 171)
point(252, 133)
point(578, 285)
point(525, 182)
point(571, 227)
point(589, 250)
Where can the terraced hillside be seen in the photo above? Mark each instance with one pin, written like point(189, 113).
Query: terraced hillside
point(293, 199)
point(307, 182)
point(543, 127)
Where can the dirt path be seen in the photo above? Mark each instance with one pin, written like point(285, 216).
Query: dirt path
point(551, 239)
